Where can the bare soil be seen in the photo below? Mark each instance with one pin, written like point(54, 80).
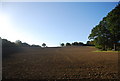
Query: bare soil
point(61, 63)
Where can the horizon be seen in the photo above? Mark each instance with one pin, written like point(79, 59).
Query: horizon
point(51, 23)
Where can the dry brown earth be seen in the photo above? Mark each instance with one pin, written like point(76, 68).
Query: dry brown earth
point(61, 63)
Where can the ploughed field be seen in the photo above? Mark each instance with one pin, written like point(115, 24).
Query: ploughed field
point(61, 63)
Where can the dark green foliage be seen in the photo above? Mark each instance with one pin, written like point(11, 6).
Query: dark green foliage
point(90, 43)
point(9, 48)
point(68, 44)
point(62, 44)
point(35, 45)
point(80, 44)
point(77, 44)
point(20, 44)
point(107, 33)
point(25, 44)
point(43, 44)
point(6, 43)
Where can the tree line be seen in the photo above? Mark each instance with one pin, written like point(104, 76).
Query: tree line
point(89, 43)
point(106, 35)
point(9, 47)
point(17, 43)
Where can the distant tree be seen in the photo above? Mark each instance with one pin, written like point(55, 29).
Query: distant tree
point(18, 42)
point(9, 48)
point(74, 43)
point(62, 44)
point(80, 44)
point(90, 43)
point(44, 45)
point(25, 44)
point(35, 45)
point(68, 44)
point(77, 44)
point(6, 43)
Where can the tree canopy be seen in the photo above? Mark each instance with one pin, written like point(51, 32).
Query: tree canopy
point(62, 44)
point(9, 47)
point(107, 33)
point(43, 44)
point(74, 44)
point(68, 44)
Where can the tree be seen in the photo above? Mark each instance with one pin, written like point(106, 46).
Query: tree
point(25, 44)
point(9, 48)
point(68, 44)
point(35, 45)
point(80, 44)
point(90, 43)
point(18, 42)
point(8, 44)
point(62, 44)
point(75, 44)
point(114, 25)
point(107, 33)
point(44, 45)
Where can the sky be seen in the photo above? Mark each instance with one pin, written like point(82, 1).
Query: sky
point(51, 22)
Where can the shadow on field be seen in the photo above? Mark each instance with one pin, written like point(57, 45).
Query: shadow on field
point(8, 51)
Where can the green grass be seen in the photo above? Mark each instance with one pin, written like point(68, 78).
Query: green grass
point(105, 51)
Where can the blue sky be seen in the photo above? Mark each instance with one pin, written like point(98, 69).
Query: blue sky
point(51, 22)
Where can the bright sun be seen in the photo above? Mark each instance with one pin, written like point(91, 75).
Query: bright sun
point(6, 27)
point(4, 23)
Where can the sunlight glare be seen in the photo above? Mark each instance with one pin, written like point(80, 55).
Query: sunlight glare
point(6, 27)
point(9, 31)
